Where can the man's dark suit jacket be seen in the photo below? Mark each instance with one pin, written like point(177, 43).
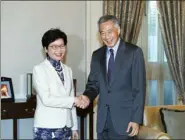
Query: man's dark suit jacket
point(125, 95)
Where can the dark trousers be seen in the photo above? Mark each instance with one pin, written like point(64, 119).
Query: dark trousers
point(109, 132)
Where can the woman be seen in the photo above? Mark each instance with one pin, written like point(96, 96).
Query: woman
point(55, 115)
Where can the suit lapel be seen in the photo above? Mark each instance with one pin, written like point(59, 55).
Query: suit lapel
point(66, 76)
point(103, 65)
point(118, 61)
point(52, 71)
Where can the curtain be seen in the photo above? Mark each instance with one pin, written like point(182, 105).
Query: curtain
point(160, 86)
point(129, 13)
point(172, 23)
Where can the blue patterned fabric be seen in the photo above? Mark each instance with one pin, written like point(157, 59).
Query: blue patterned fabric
point(52, 134)
point(58, 68)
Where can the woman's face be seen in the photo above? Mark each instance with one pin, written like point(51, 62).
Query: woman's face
point(56, 50)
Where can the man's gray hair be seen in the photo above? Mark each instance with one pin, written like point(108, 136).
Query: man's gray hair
point(106, 18)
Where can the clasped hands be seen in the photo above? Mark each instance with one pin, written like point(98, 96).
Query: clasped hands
point(82, 101)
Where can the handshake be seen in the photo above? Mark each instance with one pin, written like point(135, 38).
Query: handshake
point(82, 101)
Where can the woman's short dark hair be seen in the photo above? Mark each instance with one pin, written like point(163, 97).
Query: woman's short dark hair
point(52, 35)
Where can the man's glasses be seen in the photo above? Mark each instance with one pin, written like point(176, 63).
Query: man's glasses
point(56, 47)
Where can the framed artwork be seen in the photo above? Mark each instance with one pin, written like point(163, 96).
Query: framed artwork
point(7, 93)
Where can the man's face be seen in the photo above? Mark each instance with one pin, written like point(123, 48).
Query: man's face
point(109, 33)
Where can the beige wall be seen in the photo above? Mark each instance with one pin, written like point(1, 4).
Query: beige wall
point(94, 11)
point(22, 26)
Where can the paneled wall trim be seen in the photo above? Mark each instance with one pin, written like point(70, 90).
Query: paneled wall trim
point(94, 10)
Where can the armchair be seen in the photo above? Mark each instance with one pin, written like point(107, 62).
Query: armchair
point(152, 125)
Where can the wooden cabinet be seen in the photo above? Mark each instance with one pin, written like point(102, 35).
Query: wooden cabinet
point(17, 110)
point(26, 110)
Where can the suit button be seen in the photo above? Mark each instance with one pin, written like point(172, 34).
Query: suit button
point(107, 105)
point(109, 91)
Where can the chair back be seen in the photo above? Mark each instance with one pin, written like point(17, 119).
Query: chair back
point(152, 116)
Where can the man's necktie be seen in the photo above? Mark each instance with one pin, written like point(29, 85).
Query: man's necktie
point(110, 64)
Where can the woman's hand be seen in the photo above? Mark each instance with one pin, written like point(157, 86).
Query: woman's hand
point(74, 135)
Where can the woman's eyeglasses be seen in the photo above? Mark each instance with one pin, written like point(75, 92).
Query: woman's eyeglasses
point(56, 47)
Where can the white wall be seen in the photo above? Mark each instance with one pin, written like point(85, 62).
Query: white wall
point(22, 26)
point(94, 12)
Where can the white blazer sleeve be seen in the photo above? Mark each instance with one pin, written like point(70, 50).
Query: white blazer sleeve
point(40, 83)
point(74, 114)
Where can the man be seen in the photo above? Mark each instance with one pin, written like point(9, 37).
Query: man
point(117, 75)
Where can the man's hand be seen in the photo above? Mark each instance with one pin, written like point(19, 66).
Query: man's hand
point(135, 129)
point(82, 101)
